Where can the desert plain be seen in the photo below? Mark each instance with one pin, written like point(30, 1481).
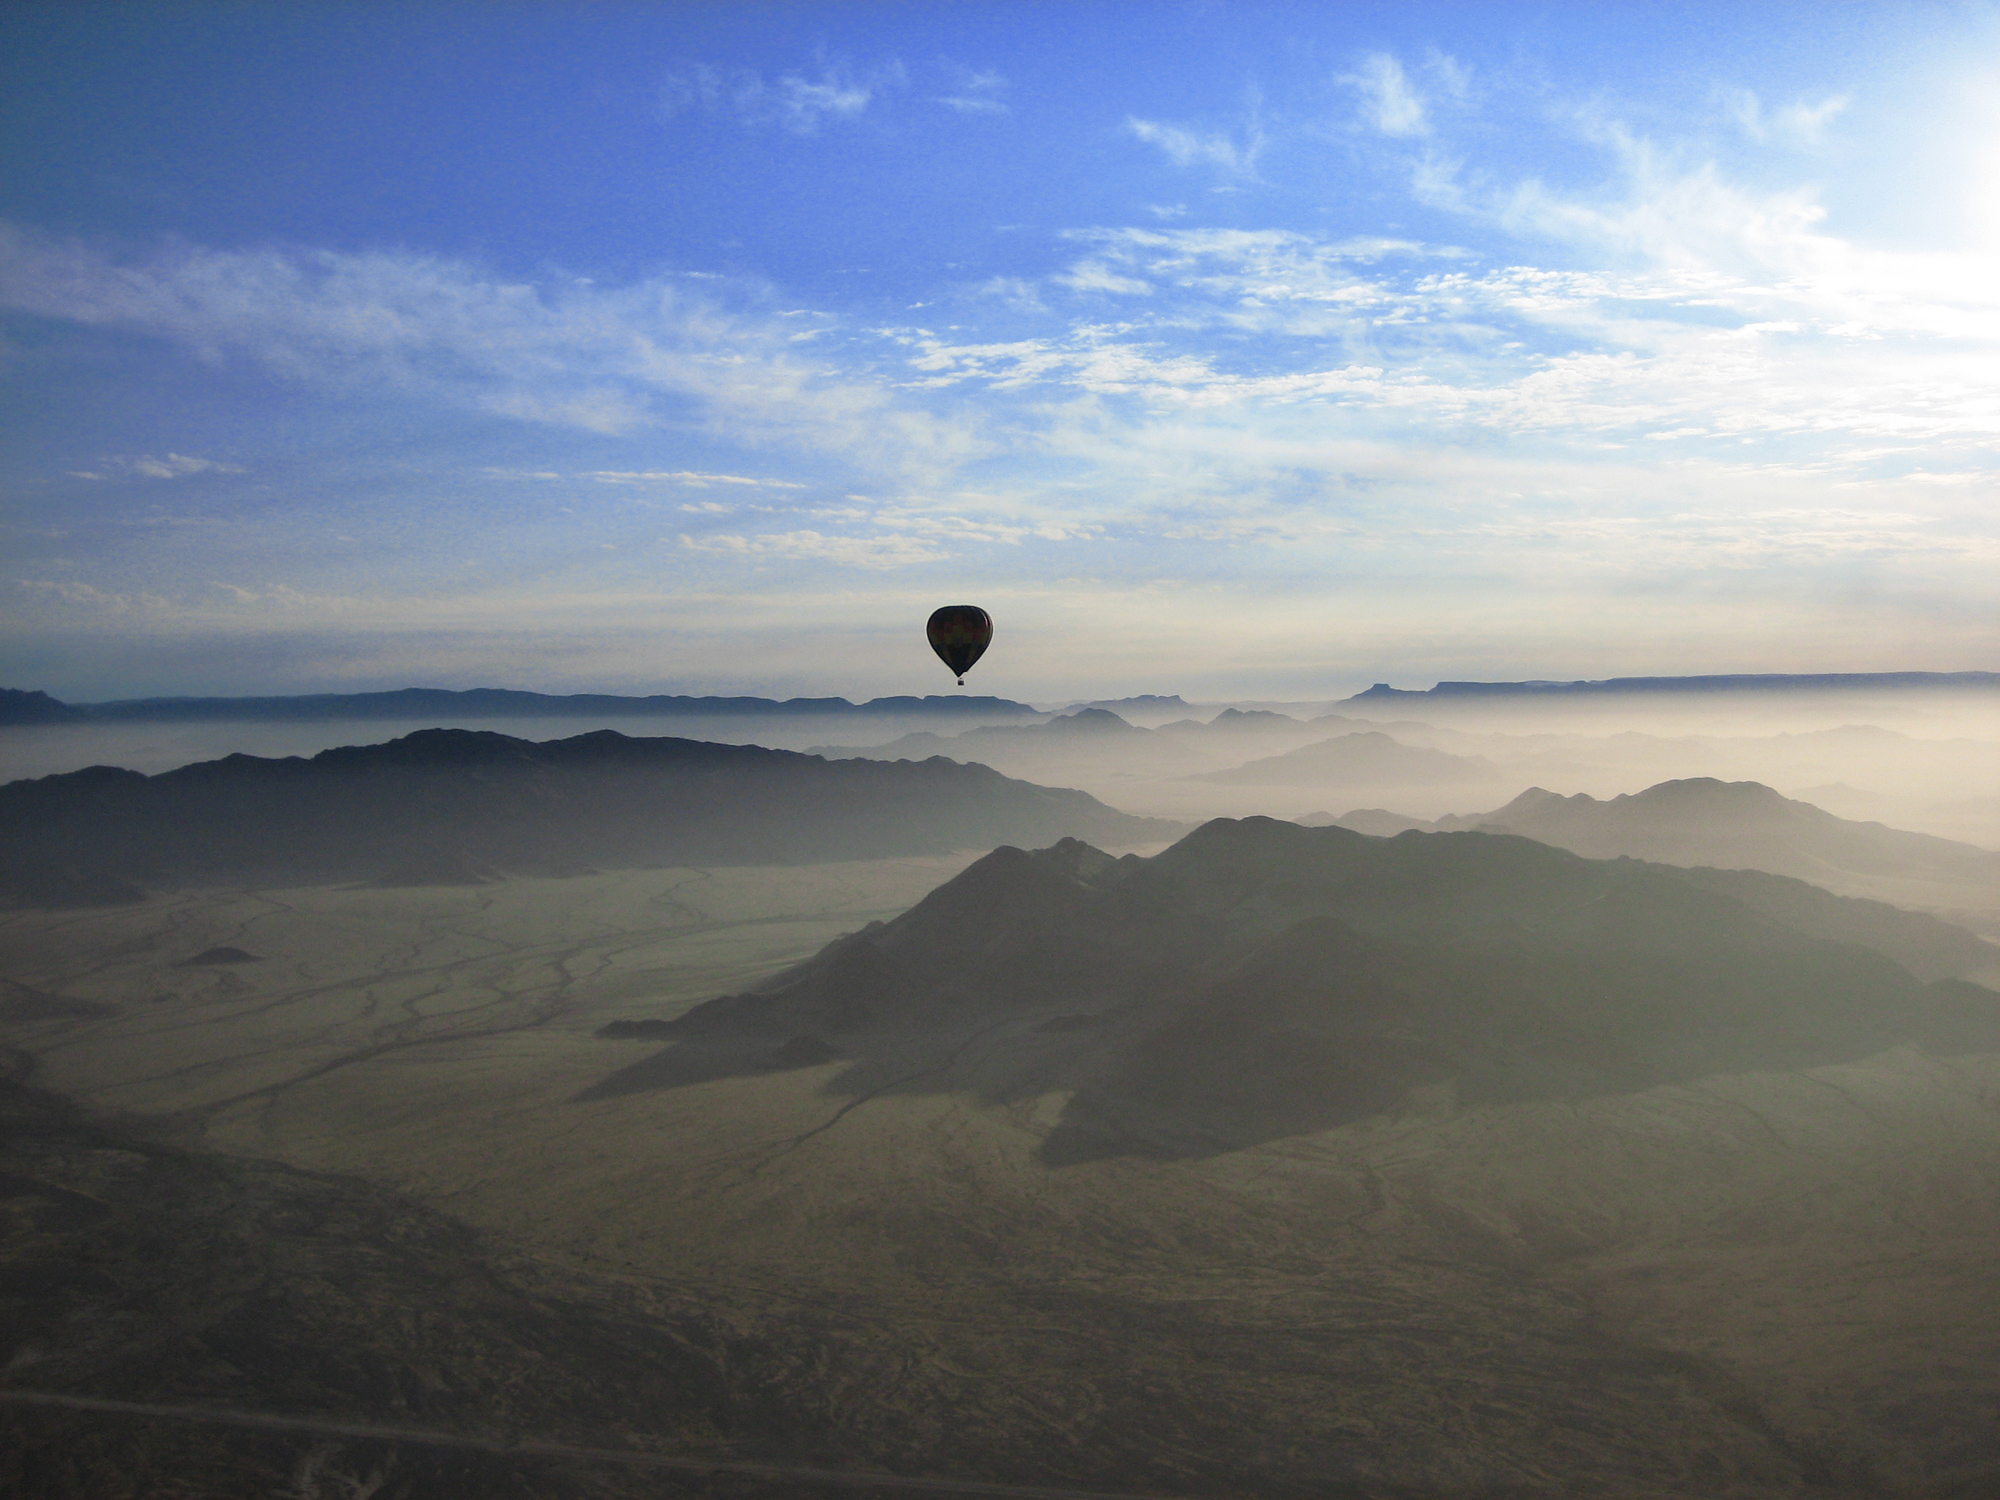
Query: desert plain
point(1755, 1284)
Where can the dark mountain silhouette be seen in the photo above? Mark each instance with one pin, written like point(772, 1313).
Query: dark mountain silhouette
point(17, 707)
point(1367, 757)
point(58, 884)
point(1759, 682)
point(1260, 979)
point(456, 805)
point(1703, 821)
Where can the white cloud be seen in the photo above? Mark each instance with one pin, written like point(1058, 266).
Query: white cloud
point(1095, 276)
point(685, 477)
point(215, 601)
point(1388, 102)
point(791, 101)
point(276, 596)
point(1016, 292)
point(977, 93)
point(1452, 76)
point(1975, 476)
point(603, 358)
point(1860, 369)
point(1799, 123)
point(1185, 148)
point(145, 466)
point(886, 551)
point(81, 595)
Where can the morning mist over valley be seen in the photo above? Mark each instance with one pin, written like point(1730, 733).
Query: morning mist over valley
point(1131, 751)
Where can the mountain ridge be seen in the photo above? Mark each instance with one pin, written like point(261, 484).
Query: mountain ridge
point(452, 804)
point(1367, 756)
point(1258, 979)
point(20, 707)
point(1704, 820)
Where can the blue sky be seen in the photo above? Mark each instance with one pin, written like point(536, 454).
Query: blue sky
point(1231, 350)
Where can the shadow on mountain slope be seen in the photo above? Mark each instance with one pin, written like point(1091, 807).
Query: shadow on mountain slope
point(1259, 979)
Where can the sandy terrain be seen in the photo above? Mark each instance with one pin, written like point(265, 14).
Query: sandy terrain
point(1763, 1284)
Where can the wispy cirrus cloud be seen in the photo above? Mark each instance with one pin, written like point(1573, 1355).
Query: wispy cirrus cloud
point(563, 352)
point(1097, 275)
point(1235, 153)
point(1800, 123)
point(1389, 103)
point(146, 466)
point(72, 592)
point(793, 101)
point(889, 550)
point(1749, 378)
point(193, 601)
point(976, 93)
point(688, 478)
point(1187, 147)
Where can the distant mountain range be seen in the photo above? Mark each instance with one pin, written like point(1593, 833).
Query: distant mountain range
point(1747, 682)
point(1143, 703)
point(1368, 757)
point(1260, 979)
point(1229, 732)
point(457, 806)
point(1703, 821)
point(1097, 724)
point(21, 707)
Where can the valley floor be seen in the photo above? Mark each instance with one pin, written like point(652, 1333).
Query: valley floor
point(1761, 1284)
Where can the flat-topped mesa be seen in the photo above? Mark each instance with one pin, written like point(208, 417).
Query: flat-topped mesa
point(1736, 682)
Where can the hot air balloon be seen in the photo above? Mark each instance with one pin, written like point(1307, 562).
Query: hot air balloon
point(960, 634)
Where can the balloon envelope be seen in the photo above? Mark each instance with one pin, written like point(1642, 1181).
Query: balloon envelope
point(960, 634)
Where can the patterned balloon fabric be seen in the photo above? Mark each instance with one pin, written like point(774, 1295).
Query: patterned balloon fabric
point(960, 634)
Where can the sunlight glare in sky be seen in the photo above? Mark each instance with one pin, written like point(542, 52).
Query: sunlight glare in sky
point(1252, 350)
